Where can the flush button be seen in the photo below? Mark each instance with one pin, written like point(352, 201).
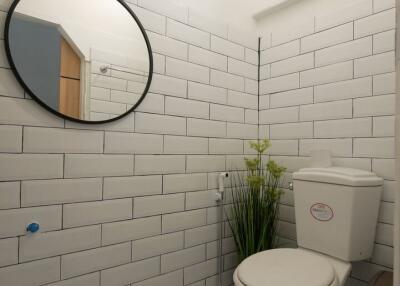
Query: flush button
point(33, 227)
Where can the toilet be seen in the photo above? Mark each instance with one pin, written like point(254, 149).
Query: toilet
point(336, 216)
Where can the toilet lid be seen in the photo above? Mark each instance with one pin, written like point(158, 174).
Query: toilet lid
point(286, 267)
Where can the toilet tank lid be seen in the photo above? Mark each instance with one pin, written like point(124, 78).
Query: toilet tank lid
point(339, 176)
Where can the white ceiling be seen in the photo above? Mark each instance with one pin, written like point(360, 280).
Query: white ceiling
point(263, 16)
point(240, 12)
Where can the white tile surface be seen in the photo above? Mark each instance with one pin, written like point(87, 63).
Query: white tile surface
point(207, 93)
point(131, 143)
point(14, 221)
point(24, 166)
point(9, 85)
point(384, 42)
point(226, 80)
point(375, 23)
point(226, 113)
point(186, 107)
point(182, 258)
point(153, 246)
point(291, 65)
point(167, 8)
point(278, 84)
point(327, 74)
point(207, 58)
point(168, 85)
point(49, 192)
point(80, 166)
point(343, 89)
point(202, 199)
point(295, 31)
point(164, 164)
point(133, 272)
point(97, 259)
point(344, 14)
point(293, 97)
point(380, 5)
point(167, 46)
point(187, 34)
point(374, 106)
point(242, 131)
point(26, 112)
point(170, 279)
point(375, 147)
point(344, 52)
point(185, 70)
point(241, 99)
point(243, 69)
point(209, 128)
point(125, 187)
point(384, 83)
point(155, 205)
point(279, 115)
point(381, 63)
point(280, 52)
point(185, 145)
point(183, 220)
point(9, 251)
point(150, 20)
point(328, 110)
point(226, 146)
point(159, 124)
point(49, 140)
point(205, 23)
point(291, 130)
point(200, 271)
point(327, 38)
point(81, 214)
point(184, 183)
point(384, 126)
point(225, 47)
point(361, 127)
point(9, 195)
point(31, 274)
point(205, 163)
point(11, 139)
point(117, 232)
point(337, 147)
point(55, 243)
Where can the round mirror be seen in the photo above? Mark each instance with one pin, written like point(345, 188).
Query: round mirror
point(85, 60)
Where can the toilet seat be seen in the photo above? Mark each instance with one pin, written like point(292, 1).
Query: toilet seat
point(285, 267)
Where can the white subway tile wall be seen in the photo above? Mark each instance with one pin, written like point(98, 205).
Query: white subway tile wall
point(130, 202)
point(331, 86)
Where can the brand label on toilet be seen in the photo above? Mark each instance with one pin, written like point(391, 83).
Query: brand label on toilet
point(321, 212)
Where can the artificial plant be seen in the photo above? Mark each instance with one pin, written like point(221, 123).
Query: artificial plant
point(255, 203)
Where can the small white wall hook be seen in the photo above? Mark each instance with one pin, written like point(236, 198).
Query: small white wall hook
point(221, 186)
point(221, 178)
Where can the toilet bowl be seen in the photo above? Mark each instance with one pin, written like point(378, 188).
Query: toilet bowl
point(291, 267)
point(336, 214)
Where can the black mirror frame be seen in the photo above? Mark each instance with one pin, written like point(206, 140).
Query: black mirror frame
point(28, 90)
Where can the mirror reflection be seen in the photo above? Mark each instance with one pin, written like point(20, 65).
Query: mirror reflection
point(87, 60)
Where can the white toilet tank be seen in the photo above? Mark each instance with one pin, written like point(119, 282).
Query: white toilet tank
point(337, 211)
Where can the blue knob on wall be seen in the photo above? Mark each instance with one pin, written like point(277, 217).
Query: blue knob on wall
point(33, 227)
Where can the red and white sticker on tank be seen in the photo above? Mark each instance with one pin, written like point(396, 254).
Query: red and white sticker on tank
point(321, 212)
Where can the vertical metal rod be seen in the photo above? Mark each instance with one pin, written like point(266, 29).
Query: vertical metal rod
point(220, 205)
point(221, 235)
